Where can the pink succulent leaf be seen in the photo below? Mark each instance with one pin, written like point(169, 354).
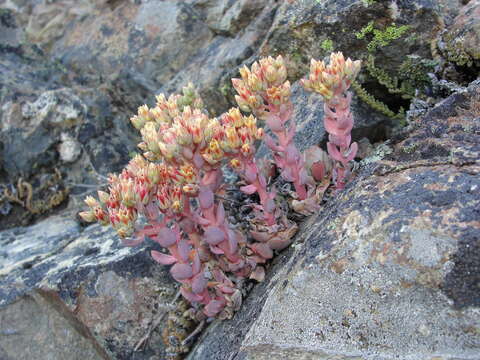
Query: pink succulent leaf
point(205, 197)
point(196, 265)
point(199, 219)
point(274, 122)
point(216, 250)
point(260, 236)
point(279, 161)
point(183, 249)
point(181, 271)
point(333, 152)
point(219, 275)
point(263, 250)
point(279, 243)
point(287, 174)
point(199, 283)
point(270, 142)
point(232, 240)
point(220, 215)
point(352, 152)
point(258, 274)
point(240, 264)
point(198, 160)
point(163, 259)
point(269, 206)
point(262, 181)
point(137, 241)
point(318, 171)
point(250, 173)
point(190, 296)
point(166, 237)
point(226, 289)
point(345, 120)
point(214, 235)
point(213, 307)
point(292, 154)
point(249, 189)
point(291, 132)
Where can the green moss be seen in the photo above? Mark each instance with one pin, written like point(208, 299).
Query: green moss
point(376, 104)
point(327, 45)
point(379, 37)
point(367, 3)
point(391, 83)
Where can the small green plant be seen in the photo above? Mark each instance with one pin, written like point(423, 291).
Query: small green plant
point(379, 37)
point(327, 45)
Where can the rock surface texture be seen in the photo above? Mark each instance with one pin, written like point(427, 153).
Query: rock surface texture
point(389, 269)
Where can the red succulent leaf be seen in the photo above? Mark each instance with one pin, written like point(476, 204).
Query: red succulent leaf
point(196, 265)
point(166, 237)
point(205, 197)
point(199, 283)
point(137, 241)
point(183, 249)
point(181, 271)
point(260, 236)
point(249, 189)
point(333, 152)
point(220, 215)
point(190, 296)
point(263, 250)
point(163, 259)
point(352, 152)
point(214, 307)
point(214, 235)
point(318, 171)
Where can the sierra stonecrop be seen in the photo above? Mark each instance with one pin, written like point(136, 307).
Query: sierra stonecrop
point(332, 82)
point(176, 185)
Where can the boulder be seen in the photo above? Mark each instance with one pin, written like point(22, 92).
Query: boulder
point(68, 292)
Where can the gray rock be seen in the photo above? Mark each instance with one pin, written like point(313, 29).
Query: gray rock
point(388, 269)
point(86, 293)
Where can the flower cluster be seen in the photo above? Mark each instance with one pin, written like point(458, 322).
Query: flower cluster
point(175, 185)
point(332, 82)
point(265, 91)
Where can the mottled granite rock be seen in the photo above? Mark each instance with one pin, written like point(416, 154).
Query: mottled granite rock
point(68, 292)
point(389, 270)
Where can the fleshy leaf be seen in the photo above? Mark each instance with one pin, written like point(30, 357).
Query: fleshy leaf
point(181, 271)
point(214, 235)
point(190, 296)
point(163, 259)
point(166, 237)
point(213, 307)
point(199, 283)
point(249, 189)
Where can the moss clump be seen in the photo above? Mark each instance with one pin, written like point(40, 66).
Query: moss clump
point(381, 37)
point(376, 104)
point(327, 45)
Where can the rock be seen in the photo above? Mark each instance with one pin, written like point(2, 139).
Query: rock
point(227, 17)
point(69, 149)
point(86, 293)
point(387, 270)
point(461, 39)
point(220, 59)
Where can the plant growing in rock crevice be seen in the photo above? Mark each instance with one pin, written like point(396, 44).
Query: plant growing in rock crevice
point(176, 185)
